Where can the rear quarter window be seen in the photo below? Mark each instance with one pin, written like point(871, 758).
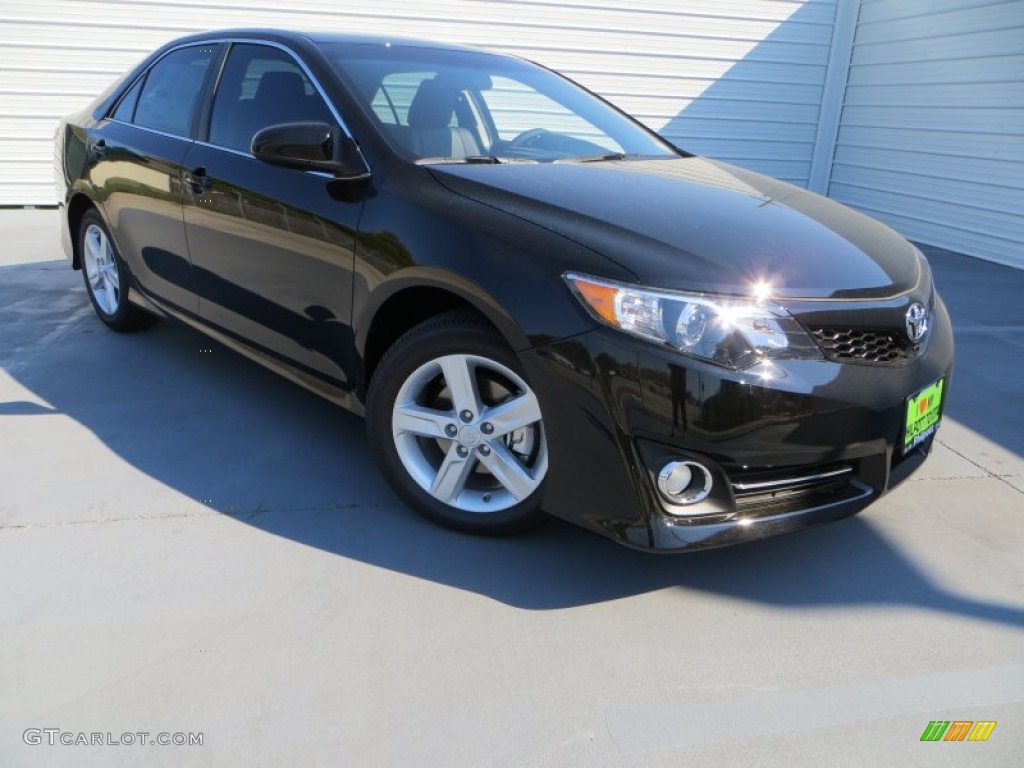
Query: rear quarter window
point(125, 111)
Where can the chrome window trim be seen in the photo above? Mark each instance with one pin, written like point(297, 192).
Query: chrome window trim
point(222, 148)
point(189, 139)
point(229, 41)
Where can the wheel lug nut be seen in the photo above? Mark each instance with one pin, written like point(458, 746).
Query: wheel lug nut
point(485, 451)
point(451, 430)
point(487, 428)
point(466, 415)
point(463, 451)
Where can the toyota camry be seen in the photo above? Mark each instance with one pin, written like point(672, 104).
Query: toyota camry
point(538, 304)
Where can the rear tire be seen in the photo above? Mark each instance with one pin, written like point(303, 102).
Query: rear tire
point(107, 278)
point(456, 429)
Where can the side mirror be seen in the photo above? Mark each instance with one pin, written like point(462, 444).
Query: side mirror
point(310, 147)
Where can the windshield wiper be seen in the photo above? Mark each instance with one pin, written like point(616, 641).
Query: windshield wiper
point(594, 158)
point(473, 160)
point(470, 160)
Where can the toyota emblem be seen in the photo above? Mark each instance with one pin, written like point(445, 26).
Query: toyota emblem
point(917, 322)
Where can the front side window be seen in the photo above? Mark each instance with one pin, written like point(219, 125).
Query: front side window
point(261, 86)
point(171, 90)
point(435, 105)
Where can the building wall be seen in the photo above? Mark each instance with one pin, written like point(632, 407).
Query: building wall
point(931, 134)
point(738, 80)
point(910, 110)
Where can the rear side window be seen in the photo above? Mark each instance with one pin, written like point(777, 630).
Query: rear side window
point(171, 90)
point(125, 111)
point(261, 86)
point(394, 96)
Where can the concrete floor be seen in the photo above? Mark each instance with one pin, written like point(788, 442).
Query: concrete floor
point(191, 544)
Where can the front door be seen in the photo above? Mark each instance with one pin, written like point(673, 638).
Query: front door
point(272, 251)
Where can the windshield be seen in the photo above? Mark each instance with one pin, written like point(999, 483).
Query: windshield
point(437, 105)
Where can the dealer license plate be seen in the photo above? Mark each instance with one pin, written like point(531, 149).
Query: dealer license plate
point(923, 413)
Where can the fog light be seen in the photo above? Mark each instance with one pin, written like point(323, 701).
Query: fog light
point(684, 482)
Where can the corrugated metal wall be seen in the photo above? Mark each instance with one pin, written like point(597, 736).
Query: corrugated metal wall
point(931, 127)
point(740, 80)
point(931, 136)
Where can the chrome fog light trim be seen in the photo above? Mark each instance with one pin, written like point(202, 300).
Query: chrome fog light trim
point(684, 482)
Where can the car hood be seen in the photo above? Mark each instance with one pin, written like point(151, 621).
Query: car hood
point(695, 224)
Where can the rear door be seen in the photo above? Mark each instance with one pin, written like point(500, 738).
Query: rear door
point(138, 152)
point(272, 250)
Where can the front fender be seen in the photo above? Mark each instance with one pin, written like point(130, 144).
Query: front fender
point(418, 277)
point(416, 233)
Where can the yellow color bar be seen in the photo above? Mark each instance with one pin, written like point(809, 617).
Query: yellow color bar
point(982, 730)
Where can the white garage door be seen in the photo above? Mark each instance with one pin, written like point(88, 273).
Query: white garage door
point(931, 138)
point(740, 80)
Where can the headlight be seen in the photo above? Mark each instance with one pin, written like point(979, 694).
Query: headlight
point(724, 330)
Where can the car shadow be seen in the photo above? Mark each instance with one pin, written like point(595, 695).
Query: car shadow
point(210, 424)
point(559, 566)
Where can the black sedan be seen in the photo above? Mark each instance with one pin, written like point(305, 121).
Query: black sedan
point(537, 303)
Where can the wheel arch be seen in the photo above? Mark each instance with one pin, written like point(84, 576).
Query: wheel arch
point(415, 296)
point(77, 207)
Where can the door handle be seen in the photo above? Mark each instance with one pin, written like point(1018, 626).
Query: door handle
point(198, 180)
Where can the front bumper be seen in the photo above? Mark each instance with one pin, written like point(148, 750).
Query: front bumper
point(817, 442)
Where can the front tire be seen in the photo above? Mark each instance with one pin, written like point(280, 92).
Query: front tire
point(106, 277)
point(456, 429)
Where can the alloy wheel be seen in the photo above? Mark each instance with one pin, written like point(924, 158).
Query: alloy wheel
point(468, 430)
point(101, 270)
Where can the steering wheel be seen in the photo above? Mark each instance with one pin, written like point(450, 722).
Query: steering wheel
point(526, 138)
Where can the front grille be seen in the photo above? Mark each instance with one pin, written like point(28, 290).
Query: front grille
point(761, 493)
point(863, 345)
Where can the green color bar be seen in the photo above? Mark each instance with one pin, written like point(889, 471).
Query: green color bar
point(935, 730)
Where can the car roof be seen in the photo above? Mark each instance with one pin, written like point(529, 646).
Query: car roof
point(317, 37)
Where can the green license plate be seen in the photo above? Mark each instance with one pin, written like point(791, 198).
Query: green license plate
point(923, 413)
